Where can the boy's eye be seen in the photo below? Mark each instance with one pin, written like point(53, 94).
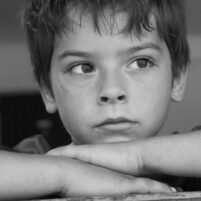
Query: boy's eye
point(83, 68)
point(141, 63)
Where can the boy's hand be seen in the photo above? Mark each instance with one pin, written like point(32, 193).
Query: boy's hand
point(122, 157)
point(81, 179)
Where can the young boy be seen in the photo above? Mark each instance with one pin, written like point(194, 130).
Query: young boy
point(115, 67)
point(111, 70)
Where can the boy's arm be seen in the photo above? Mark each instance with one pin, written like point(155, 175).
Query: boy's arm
point(178, 154)
point(30, 176)
point(173, 154)
point(26, 175)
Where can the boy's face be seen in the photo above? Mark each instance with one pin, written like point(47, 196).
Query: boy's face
point(110, 87)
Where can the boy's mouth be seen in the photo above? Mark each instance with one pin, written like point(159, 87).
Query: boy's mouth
point(117, 125)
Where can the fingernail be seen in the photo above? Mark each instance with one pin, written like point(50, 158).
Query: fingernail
point(174, 190)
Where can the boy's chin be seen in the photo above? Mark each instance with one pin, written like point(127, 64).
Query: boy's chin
point(105, 139)
point(118, 139)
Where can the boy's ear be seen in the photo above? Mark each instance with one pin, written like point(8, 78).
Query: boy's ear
point(48, 100)
point(179, 86)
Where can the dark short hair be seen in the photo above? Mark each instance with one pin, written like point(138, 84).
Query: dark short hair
point(43, 19)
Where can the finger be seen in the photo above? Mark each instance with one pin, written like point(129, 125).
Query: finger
point(60, 151)
point(126, 186)
point(79, 152)
point(107, 155)
point(144, 185)
point(102, 155)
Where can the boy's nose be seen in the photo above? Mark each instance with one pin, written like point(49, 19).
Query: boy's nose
point(112, 99)
point(112, 91)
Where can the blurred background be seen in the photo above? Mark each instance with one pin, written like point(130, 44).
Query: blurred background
point(22, 113)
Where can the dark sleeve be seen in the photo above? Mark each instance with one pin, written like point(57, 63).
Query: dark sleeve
point(191, 184)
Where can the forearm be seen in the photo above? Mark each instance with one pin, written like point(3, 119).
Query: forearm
point(174, 154)
point(27, 176)
point(178, 155)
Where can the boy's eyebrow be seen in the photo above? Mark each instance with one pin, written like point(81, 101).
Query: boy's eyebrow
point(68, 53)
point(149, 45)
point(130, 50)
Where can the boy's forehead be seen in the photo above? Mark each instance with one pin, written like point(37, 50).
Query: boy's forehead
point(83, 32)
point(85, 39)
point(108, 22)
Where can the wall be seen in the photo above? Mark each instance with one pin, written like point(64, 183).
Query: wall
point(15, 68)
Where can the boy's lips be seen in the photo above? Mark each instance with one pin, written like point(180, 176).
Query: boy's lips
point(117, 125)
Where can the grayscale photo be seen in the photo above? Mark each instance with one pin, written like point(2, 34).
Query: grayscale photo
point(100, 100)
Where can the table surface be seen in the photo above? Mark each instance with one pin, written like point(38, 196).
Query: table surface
point(179, 196)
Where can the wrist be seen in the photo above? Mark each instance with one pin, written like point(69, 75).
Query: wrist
point(57, 166)
point(135, 162)
point(150, 151)
point(143, 154)
point(141, 160)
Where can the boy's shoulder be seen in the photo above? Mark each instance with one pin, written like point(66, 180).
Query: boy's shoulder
point(196, 128)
